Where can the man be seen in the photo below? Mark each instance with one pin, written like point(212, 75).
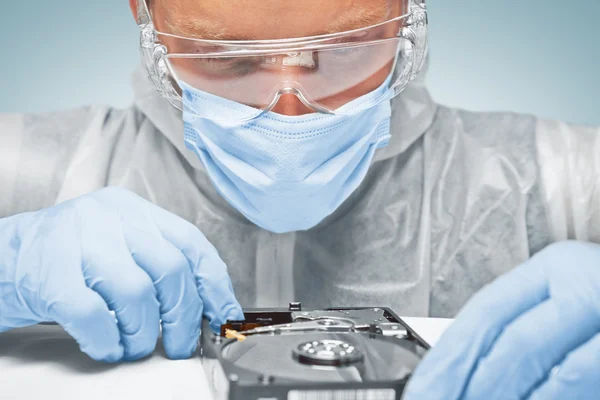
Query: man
point(344, 184)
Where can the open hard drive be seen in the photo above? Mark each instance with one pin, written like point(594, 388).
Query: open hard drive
point(295, 354)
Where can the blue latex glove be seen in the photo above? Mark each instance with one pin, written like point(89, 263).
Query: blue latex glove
point(531, 334)
point(112, 250)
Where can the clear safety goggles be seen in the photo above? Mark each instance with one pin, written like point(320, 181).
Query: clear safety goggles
point(324, 72)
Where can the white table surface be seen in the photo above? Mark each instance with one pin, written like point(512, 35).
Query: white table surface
point(43, 362)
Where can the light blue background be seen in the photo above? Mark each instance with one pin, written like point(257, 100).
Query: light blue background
point(533, 56)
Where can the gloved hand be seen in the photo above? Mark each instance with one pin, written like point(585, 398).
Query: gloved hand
point(112, 250)
point(531, 334)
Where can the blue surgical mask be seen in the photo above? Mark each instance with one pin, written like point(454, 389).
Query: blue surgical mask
point(285, 173)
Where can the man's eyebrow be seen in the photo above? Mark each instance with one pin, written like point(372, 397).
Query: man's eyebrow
point(360, 18)
point(198, 29)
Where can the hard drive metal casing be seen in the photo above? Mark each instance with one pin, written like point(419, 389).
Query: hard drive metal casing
point(300, 350)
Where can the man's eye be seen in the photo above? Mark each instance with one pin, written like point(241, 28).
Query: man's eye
point(227, 65)
point(347, 50)
point(349, 53)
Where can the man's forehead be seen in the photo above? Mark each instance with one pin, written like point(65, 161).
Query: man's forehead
point(269, 19)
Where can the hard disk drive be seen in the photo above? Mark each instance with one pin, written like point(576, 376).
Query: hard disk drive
point(295, 354)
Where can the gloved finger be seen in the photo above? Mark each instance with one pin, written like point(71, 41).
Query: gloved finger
point(446, 369)
point(110, 271)
point(528, 349)
point(70, 303)
point(85, 316)
point(576, 378)
point(210, 272)
point(180, 303)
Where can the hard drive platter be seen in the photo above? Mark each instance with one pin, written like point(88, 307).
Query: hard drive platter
point(337, 354)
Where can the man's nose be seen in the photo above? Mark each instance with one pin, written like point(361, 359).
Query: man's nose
point(290, 104)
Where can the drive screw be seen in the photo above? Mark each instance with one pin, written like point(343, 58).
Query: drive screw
point(266, 379)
